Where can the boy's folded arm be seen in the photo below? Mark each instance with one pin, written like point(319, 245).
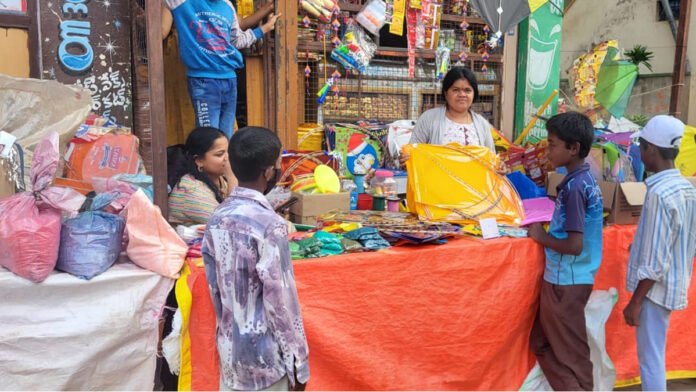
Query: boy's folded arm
point(569, 246)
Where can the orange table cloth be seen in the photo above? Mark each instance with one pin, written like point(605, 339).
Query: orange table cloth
point(448, 317)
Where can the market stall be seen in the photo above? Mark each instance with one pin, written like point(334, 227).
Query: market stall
point(87, 260)
point(448, 317)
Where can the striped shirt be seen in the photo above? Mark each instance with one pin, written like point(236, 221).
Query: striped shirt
point(664, 246)
point(191, 202)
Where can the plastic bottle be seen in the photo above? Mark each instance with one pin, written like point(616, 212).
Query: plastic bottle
point(383, 184)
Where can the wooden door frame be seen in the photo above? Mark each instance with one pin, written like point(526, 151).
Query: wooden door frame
point(30, 22)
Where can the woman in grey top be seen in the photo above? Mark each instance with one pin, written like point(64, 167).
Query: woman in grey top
point(455, 122)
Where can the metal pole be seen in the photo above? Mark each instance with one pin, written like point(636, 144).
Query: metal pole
point(673, 26)
point(680, 58)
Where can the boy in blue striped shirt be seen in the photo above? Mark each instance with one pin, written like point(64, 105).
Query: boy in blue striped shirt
point(663, 249)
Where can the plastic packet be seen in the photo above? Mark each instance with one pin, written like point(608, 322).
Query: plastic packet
point(373, 16)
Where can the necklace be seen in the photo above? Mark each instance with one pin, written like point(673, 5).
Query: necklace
point(457, 119)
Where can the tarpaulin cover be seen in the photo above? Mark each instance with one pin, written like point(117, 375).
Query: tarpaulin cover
point(199, 369)
point(72, 334)
point(459, 184)
point(447, 317)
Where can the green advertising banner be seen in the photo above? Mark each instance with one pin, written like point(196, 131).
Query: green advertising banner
point(539, 58)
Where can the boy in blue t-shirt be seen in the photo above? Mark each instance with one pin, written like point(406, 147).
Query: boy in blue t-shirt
point(573, 249)
point(210, 38)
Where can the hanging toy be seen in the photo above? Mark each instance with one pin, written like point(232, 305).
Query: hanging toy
point(335, 76)
point(306, 22)
point(464, 55)
point(328, 87)
point(324, 92)
point(335, 90)
point(484, 55)
point(484, 58)
point(307, 74)
point(336, 25)
point(442, 61)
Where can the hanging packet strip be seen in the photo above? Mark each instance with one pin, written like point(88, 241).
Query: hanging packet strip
point(411, 36)
point(31, 221)
point(396, 25)
point(430, 19)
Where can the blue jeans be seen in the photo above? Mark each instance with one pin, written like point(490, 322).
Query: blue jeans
point(651, 336)
point(214, 102)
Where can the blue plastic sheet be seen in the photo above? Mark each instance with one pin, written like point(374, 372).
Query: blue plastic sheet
point(91, 242)
point(525, 187)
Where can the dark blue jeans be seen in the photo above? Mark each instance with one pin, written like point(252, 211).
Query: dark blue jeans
point(214, 102)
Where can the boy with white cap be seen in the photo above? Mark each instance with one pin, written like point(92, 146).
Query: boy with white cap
point(663, 249)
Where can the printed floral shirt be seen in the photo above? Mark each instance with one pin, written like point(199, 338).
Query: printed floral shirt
point(260, 334)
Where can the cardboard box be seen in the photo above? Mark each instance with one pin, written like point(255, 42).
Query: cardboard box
point(623, 201)
point(628, 203)
point(83, 187)
point(309, 206)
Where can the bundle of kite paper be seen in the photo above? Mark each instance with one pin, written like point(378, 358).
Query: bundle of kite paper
point(438, 192)
point(397, 227)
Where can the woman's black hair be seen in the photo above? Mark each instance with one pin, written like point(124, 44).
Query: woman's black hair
point(459, 73)
point(181, 158)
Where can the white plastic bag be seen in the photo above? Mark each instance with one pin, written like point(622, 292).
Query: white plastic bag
point(597, 313)
point(373, 16)
point(398, 136)
point(30, 108)
point(152, 243)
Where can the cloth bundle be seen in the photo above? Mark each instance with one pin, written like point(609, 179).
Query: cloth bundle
point(368, 237)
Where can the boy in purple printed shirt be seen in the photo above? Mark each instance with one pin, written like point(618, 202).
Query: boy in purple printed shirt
point(260, 334)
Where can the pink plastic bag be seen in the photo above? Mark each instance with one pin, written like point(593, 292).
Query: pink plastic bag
point(152, 242)
point(30, 221)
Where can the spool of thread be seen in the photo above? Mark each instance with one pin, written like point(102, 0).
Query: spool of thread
point(378, 203)
point(393, 204)
point(354, 200)
point(364, 202)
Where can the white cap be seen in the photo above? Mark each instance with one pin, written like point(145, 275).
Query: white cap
point(663, 131)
